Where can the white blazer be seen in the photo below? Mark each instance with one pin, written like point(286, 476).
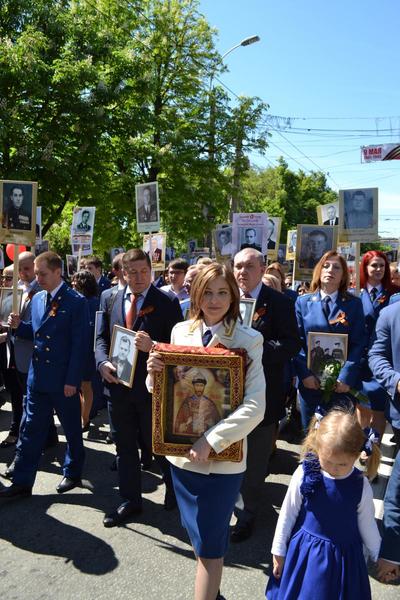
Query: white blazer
point(246, 417)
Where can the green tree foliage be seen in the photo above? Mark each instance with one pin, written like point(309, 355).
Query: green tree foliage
point(97, 96)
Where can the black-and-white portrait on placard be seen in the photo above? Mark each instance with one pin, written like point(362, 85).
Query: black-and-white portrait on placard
point(328, 214)
point(251, 237)
point(83, 220)
point(281, 257)
point(312, 243)
point(246, 308)
point(6, 299)
point(41, 247)
point(18, 209)
point(115, 251)
point(223, 241)
point(348, 250)
point(192, 246)
point(274, 225)
point(358, 215)
point(72, 264)
point(291, 242)
point(147, 207)
point(123, 354)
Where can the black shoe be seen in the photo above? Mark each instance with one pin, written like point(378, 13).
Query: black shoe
point(170, 499)
point(9, 473)
point(9, 441)
point(67, 483)
point(220, 596)
point(16, 491)
point(124, 511)
point(241, 531)
point(86, 427)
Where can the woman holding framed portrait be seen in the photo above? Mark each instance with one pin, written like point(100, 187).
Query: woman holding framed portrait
point(206, 490)
point(377, 288)
point(329, 309)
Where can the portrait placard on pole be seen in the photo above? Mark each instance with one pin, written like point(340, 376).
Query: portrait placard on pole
point(18, 209)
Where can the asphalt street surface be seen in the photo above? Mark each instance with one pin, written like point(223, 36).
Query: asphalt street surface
point(55, 547)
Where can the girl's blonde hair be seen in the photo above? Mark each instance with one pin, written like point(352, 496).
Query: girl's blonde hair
point(340, 431)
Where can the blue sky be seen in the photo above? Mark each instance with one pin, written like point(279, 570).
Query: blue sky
point(325, 66)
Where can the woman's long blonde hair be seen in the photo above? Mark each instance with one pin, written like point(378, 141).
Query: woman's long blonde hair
point(340, 431)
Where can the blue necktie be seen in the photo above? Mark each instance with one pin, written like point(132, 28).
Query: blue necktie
point(48, 300)
point(326, 306)
point(373, 294)
point(206, 337)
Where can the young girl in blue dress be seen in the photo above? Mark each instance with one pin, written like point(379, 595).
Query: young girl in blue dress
point(327, 517)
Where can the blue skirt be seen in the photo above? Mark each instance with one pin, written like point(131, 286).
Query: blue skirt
point(206, 504)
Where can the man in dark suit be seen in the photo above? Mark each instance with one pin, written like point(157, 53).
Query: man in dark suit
point(95, 266)
point(152, 314)
point(384, 362)
point(332, 218)
point(274, 317)
point(59, 327)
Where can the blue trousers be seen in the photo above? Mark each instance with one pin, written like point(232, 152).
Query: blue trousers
point(390, 548)
point(34, 430)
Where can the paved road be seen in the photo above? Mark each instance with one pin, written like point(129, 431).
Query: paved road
point(54, 547)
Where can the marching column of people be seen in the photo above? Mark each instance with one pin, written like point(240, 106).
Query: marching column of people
point(48, 358)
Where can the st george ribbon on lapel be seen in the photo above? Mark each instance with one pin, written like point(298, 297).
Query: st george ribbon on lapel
point(131, 314)
point(207, 335)
point(373, 294)
point(326, 308)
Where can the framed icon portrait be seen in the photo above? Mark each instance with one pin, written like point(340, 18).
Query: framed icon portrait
point(326, 349)
point(123, 354)
point(18, 209)
point(6, 302)
point(197, 388)
point(147, 207)
point(246, 308)
point(312, 243)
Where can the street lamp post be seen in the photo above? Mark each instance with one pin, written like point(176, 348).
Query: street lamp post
point(211, 147)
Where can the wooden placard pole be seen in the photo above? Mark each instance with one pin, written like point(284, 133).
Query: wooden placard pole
point(357, 267)
point(78, 266)
point(15, 279)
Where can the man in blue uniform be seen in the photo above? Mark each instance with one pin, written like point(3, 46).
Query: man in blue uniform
point(59, 326)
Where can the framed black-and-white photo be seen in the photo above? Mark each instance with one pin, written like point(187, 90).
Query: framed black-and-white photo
point(147, 207)
point(325, 349)
point(328, 214)
point(358, 215)
point(348, 250)
point(291, 243)
point(312, 243)
point(223, 241)
point(6, 301)
point(251, 237)
point(83, 243)
point(38, 231)
point(247, 307)
point(18, 210)
point(192, 246)
point(41, 247)
point(123, 354)
point(281, 257)
point(274, 225)
point(157, 251)
point(72, 265)
point(83, 220)
point(115, 251)
point(98, 325)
